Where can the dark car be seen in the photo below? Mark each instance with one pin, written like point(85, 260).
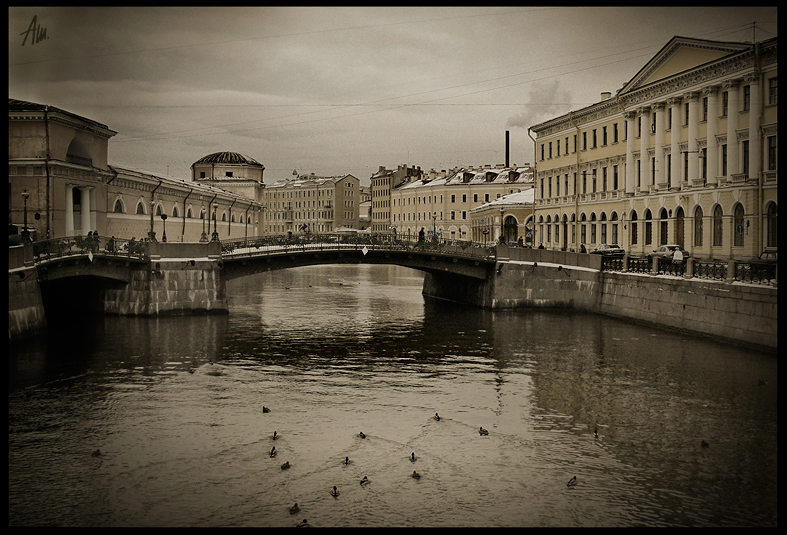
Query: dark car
point(765, 265)
point(668, 251)
point(609, 250)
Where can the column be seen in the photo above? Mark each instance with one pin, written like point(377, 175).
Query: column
point(755, 162)
point(85, 207)
point(660, 177)
point(69, 210)
point(693, 99)
point(675, 163)
point(733, 106)
point(713, 128)
point(644, 145)
point(630, 117)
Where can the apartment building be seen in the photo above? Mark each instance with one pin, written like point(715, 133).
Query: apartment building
point(442, 205)
point(382, 183)
point(685, 152)
point(312, 204)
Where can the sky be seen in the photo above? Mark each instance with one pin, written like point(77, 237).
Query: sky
point(340, 90)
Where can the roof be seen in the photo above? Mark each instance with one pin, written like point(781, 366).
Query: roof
point(524, 198)
point(227, 158)
point(463, 176)
point(15, 105)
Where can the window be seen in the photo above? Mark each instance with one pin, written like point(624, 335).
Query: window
point(140, 208)
point(772, 100)
point(771, 140)
point(724, 160)
point(705, 109)
point(770, 226)
point(594, 139)
point(745, 147)
point(698, 227)
point(584, 141)
point(718, 226)
point(615, 133)
point(738, 228)
point(663, 231)
point(174, 211)
point(634, 228)
point(158, 210)
point(604, 136)
point(202, 174)
point(746, 97)
point(648, 228)
point(189, 214)
point(725, 100)
point(228, 173)
point(118, 207)
point(550, 149)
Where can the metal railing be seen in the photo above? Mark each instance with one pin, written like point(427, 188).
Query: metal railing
point(752, 272)
point(335, 242)
point(83, 245)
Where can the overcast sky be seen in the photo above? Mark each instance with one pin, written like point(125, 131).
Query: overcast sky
point(336, 91)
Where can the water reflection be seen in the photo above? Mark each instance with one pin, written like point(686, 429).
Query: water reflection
point(337, 350)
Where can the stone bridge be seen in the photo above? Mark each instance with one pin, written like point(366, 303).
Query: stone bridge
point(728, 300)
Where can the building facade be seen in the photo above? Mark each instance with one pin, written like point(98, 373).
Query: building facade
point(442, 205)
point(60, 180)
point(312, 204)
point(383, 182)
point(685, 152)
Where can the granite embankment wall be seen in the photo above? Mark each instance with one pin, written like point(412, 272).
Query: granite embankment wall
point(182, 278)
point(735, 312)
point(25, 307)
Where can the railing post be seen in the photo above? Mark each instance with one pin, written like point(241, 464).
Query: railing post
point(689, 273)
point(730, 271)
point(654, 269)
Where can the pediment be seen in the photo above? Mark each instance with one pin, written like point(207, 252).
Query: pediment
point(679, 55)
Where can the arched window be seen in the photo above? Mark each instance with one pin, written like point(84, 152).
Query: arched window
point(202, 214)
point(593, 228)
point(739, 229)
point(603, 226)
point(232, 218)
point(583, 235)
point(634, 228)
point(174, 211)
point(189, 214)
point(140, 208)
point(679, 226)
point(648, 227)
point(158, 210)
point(718, 226)
point(770, 226)
point(698, 227)
point(224, 216)
point(663, 227)
point(118, 207)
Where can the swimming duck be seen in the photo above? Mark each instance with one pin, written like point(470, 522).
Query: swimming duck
point(273, 451)
point(595, 433)
point(303, 524)
point(286, 465)
point(572, 482)
point(361, 435)
point(265, 409)
point(294, 509)
point(346, 460)
point(436, 417)
point(705, 444)
point(274, 435)
point(96, 453)
point(412, 457)
point(334, 492)
point(364, 481)
point(483, 431)
point(416, 475)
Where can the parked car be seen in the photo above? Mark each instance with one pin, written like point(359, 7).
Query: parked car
point(609, 250)
point(668, 251)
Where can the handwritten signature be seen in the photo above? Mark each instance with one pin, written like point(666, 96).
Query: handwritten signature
point(38, 32)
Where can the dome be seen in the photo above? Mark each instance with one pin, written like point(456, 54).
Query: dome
point(226, 158)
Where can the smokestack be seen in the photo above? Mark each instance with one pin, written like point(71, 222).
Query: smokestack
point(506, 148)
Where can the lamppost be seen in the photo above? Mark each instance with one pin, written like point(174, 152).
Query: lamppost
point(164, 230)
point(434, 227)
point(152, 233)
point(204, 237)
point(25, 233)
point(215, 236)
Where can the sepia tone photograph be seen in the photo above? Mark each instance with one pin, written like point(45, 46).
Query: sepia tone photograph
point(509, 266)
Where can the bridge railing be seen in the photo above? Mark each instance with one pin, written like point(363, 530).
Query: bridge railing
point(81, 245)
point(332, 242)
point(722, 270)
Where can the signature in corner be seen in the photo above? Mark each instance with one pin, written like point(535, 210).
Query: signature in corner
point(38, 32)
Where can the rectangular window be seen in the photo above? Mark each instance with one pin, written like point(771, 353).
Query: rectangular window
point(604, 136)
point(724, 160)
point(725, 100)
point(746, 97)
point(550, 150)
point(584, 141)
point(772, 153)
point(453, 199)
point(772, 97)
point(705, 109)
point(746, 157)
point(615, 133)
point(615, 179)
point(594, 139)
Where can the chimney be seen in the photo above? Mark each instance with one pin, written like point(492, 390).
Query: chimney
point(606, 95)
point(506, 148)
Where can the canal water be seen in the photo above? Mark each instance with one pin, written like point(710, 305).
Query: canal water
point(686, 426)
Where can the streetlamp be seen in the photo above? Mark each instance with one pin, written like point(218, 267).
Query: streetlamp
point(204, 237)
point(25, 233)
point(215, 236)
point(152, 233)
point(164, 231)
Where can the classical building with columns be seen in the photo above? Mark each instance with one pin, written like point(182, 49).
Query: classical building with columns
point(60, 181)
point(685, 153)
